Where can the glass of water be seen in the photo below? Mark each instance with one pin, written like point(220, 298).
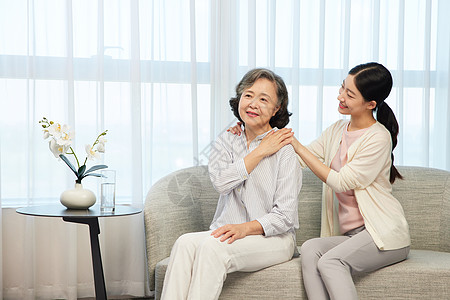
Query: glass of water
point(108, 191)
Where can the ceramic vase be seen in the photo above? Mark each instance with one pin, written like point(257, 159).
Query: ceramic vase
point(78, 198)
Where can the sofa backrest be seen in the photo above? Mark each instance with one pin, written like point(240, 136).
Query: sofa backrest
point(424, 194)
point(309, 207)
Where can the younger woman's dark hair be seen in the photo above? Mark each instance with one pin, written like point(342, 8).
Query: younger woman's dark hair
point(281, 118)
point(374, 82)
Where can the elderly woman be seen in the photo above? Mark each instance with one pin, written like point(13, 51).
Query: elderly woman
point(258, 177)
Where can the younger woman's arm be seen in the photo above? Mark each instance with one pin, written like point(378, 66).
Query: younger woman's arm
point(313, 163)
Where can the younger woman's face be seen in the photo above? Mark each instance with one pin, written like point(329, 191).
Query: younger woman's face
point(258, 104)
point(351, 102)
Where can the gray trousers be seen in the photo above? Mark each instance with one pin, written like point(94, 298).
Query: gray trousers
point(328, 263)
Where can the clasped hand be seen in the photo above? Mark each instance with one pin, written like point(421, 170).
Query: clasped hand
point(272, 142)
point(275, 140)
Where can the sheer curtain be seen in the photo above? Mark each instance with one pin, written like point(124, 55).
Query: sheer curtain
point(158, 75)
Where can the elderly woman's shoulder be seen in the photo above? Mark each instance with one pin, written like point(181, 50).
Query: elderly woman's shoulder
point(287, 151)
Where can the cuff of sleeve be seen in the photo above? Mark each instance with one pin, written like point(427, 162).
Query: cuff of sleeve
point(241, 169)
point(333, 181)
point(266, 226)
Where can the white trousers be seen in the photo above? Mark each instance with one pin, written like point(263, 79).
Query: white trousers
point(199, 263)
point(328, 263)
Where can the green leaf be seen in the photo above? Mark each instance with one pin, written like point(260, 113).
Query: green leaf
point(95, 168)
point(66, 160)
point(81, 171)
point(92, 174)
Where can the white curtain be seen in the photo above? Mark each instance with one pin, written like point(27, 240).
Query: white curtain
point(158, 75)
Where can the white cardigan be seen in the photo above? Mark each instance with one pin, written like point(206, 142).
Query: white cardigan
point(367, 173)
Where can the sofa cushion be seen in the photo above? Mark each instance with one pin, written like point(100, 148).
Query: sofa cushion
point(424, 275)
point(282, 281)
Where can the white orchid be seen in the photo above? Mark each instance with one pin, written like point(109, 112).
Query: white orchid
point(57, 149)
point(61, 137)
point(101, 144)
point(91, 153)
point(46, 134)
point(66, 138)
point(102, 140)
point(56, 130)
point(60, 144)
point(101, 148)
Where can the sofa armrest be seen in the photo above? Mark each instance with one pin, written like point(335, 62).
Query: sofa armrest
point(445, 220)
point(178, 203)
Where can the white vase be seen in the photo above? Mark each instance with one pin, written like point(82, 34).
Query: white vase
point(78, 198)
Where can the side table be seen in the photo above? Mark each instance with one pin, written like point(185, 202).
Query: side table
point(85, 216)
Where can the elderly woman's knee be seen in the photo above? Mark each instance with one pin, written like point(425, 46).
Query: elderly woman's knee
point(211, 244)
point(186, 241)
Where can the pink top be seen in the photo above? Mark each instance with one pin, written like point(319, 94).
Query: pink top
point(349, 214)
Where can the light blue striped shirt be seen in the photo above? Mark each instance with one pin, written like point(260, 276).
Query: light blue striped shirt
point(269, 194)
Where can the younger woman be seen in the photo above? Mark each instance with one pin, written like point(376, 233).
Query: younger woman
point(363, 225)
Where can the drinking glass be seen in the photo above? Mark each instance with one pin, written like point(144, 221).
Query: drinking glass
point(108, 191)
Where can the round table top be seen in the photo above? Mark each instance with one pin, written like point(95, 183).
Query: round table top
point(58, 210)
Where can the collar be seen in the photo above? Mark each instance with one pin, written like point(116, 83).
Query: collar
point(261, 136)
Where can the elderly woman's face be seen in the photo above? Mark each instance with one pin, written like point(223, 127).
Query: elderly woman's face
point(258, 104)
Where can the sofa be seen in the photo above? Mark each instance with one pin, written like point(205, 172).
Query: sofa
point(185, 201)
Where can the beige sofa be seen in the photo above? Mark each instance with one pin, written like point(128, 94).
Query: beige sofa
point(185, 201)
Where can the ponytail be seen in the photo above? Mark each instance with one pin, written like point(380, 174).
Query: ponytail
point(386, 116)
point(374, 82)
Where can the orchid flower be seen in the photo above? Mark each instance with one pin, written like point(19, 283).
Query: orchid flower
point(60, 145)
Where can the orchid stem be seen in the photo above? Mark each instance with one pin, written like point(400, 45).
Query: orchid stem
point(76, 158)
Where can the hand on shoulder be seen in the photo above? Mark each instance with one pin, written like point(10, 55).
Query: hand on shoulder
point(236, 129)
point(275, 140)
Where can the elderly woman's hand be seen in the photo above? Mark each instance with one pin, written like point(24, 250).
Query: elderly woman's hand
point(275, 140)
point(232, 232)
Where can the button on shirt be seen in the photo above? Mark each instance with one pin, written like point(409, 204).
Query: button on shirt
point(269, 194)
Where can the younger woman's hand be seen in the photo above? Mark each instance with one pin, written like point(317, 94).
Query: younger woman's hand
point(275, 140)
point(236, 129)
point(295, 143)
